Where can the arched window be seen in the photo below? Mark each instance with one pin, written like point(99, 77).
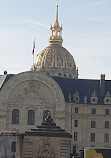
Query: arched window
point(15, 116)
point(45, 113)
point(31, 117)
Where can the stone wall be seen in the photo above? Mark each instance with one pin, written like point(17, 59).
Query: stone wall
point(8, 145)
point(56, 147)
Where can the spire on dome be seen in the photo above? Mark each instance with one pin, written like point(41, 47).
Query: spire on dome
point(56, 32)
point(56, 19)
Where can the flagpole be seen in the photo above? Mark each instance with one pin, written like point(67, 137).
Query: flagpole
point(33, 52)
point(33, 62)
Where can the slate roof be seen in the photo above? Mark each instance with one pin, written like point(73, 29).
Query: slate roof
point(2, 78)
point(84, 87)
point(6, 78)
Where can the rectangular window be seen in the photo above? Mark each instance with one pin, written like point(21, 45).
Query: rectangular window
point(31, 117)
point(107, 111)
point(106, 138)
point(92, 137)
point(76, 110)
point(75, 136)
point(75, 123)
point(74, 150)
point(106, 124)
point(13, 147)
point(93, 124)
point(15, 116)
point(93, 111)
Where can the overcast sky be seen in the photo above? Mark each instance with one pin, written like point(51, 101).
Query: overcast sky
point(86, 33)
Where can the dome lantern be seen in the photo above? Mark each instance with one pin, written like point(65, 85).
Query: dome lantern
point(56, 32)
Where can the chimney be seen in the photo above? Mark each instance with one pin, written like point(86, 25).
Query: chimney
point(102, 84)
point(5, 72)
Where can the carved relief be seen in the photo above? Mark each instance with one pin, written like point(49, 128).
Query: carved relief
point(19, 98)
point(46, 150)
point(31, 92)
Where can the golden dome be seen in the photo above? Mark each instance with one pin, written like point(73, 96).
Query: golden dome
point(55, 59)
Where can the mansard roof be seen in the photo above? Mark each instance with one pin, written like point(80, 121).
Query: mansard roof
point(84, 87)
point(4, 79)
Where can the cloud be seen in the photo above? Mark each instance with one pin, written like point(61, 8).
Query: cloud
point(37, 23)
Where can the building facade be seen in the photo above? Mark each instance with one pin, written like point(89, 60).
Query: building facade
point(80, 106)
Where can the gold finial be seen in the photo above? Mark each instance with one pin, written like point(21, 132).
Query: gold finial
point(56, 19)
point(56, 31)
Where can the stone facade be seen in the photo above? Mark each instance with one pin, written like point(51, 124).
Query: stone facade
point(35, 91)
point(87, 120)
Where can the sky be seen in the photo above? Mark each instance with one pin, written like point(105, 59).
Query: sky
point(86, 33)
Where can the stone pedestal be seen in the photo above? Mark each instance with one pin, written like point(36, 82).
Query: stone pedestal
point(46, 141)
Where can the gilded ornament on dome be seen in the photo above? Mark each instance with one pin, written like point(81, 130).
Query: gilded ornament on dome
point(49, 59)
point(59, 61)
point(42, 54)
point(38, 61)
point(69, 65)
point(48, 63)
point(69, 61)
